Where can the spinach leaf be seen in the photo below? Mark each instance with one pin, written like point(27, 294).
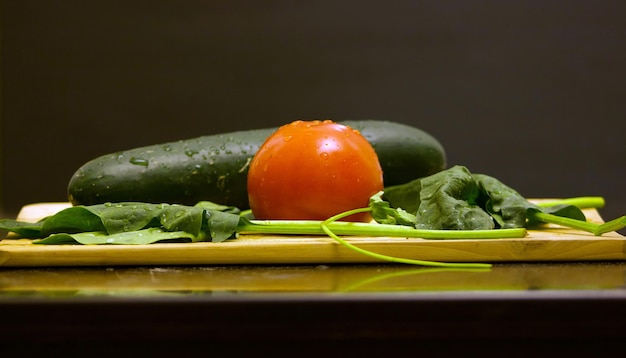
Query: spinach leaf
point(128, 216)
point(23, 229)
point(120, 222)
point(449, 200)
point(383, 213)
point(566, 211)
point(139, 237)
point(405, 196)
point(459, 200)
point(211, 206)
point(70, 220)
point(222, 226)
point(508, 208)
point(446, 200)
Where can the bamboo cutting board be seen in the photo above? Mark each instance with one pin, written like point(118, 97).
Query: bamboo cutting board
point(549, 244)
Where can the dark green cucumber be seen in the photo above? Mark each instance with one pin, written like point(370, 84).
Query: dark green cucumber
point(215, 167)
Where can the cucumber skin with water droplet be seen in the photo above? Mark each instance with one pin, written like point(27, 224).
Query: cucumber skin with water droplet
point(215, 167)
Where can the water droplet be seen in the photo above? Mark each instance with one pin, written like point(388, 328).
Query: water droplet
point(196, 169)
point(324, 155)
point(167, 147)
point(221, 182)
point(139, 161)
point(288, 138)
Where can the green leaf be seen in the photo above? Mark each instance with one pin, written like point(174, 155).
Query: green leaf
point(23, 229)
point(568, 211)
point(383, 213)
point(211, 206)
point(405, 196)
point(182, 218)
point(139, 237)
point(457, 199)
point(124, 217)
point(72, 220)
point(508, 208)
point(449, 200)
point(221, 225)
point(203, 222)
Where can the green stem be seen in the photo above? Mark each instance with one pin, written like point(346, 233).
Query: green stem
point(613, 225)
point(325, 226)
point(582, 202)
point(596, 229)
point(312, 227)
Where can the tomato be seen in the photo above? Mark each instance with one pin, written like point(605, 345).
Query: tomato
point(312, 170)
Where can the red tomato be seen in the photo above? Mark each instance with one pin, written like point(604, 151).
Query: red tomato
point(312, 170)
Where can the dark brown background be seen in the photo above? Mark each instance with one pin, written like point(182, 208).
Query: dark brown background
point(531, 92)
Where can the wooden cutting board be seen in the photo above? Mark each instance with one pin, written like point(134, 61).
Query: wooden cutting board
point(552, 243)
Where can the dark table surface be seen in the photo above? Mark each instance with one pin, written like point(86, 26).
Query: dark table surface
point(574, 308)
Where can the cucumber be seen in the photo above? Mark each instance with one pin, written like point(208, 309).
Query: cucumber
point(215, 167)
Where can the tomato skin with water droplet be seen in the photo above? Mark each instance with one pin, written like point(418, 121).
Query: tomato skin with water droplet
point(312, 170)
